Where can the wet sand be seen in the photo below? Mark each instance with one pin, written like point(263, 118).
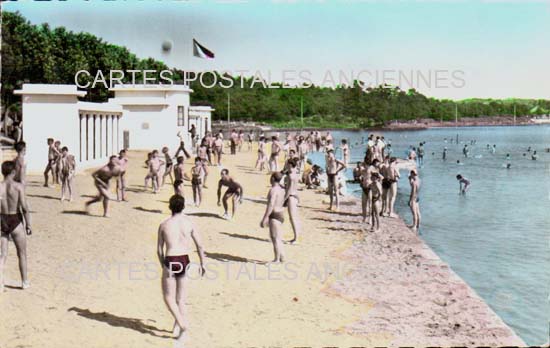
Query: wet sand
point(96, 281)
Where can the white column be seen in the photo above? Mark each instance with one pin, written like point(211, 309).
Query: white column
point(95, 134)
point(113, 145)
point(100, 136)
point(80, 138)
point(87, 136)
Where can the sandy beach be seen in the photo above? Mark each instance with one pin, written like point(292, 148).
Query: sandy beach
point(96, 281)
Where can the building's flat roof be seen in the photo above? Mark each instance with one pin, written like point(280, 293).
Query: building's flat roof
point(154, 101)
point(49, 89)
point(99, 107)
point(168, 88)
point(201, 108)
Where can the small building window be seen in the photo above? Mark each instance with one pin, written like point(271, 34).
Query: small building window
point(181, 116)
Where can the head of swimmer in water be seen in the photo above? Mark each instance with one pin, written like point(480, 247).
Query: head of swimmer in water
point(176, 204)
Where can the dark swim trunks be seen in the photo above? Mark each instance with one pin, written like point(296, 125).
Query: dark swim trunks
point(9, 222)
point(177, 264)
point(277, 216)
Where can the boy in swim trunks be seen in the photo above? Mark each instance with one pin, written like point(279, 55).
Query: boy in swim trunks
point(175, 236)
point(67, 173)
point(14, 220)
point(291, 197)
point(334, 167)
point(274, 215)
point(155, 165)
point(178, 187)
point(197, 173)
point(234, 190)
point(375, 189)
point(121, 180)
point(50, 167)
point(101, 182)
point(169, 164)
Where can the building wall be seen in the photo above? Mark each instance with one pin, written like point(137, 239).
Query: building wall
point(45, 117)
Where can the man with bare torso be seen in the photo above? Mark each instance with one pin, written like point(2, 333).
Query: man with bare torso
point(414, 200)
point(175, 237)
point(274, 216)
point(234, 191)
point(20, 165)
point(274, 158)
point(14, 220)
point(101, 181)
point(50, 167)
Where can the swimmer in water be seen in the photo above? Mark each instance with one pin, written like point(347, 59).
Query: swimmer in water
point(463, 183)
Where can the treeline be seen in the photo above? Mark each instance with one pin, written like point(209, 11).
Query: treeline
point(40, 54)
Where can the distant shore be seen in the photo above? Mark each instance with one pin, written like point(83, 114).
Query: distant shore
point(397, 125)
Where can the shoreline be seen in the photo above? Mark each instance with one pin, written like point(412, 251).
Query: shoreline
point(395, 290)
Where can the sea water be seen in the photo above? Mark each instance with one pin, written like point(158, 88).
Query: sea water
point(496, 237)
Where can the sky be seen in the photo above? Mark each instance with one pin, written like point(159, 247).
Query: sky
point(445, 49)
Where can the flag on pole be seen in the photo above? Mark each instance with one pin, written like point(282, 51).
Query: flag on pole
point(201, 51)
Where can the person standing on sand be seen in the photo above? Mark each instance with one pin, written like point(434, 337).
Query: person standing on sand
point(333, 167)
point(101, 182)
point(345, 152)
point(50, 167)
point(414, 200)
point(392, 176)
point(20, 165)
point(261, 162)
point(173, 245)
point(218, 149)
point(274, 158)
point(375, 188)
point(234, 190)
point(291, 197)
point(67, 173)
point(274, 216)
point(15, 222)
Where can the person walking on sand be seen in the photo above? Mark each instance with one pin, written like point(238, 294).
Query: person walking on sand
point(121, 179)
point(274, 216)
point(175, 236)
point(67, 173)
point(50, 167)
point(234, 191)
point(414, 200)
point(464, 184)
point(291, 197)
point(101, 181)
point(15, 222)
point(218, 149)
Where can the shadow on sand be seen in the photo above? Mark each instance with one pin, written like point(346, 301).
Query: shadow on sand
point(44, 196)
point(203, 214)
point(244, 236)
point(155, 211)
point(75, 212)
point(228, 258)
point(116, 321)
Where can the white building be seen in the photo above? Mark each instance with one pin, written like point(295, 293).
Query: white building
point(138, 118)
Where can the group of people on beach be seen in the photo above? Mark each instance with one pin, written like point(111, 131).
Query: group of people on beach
point(377, 175)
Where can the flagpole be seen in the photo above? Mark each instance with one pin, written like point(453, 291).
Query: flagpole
point(302, 110)
point(228, 108)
